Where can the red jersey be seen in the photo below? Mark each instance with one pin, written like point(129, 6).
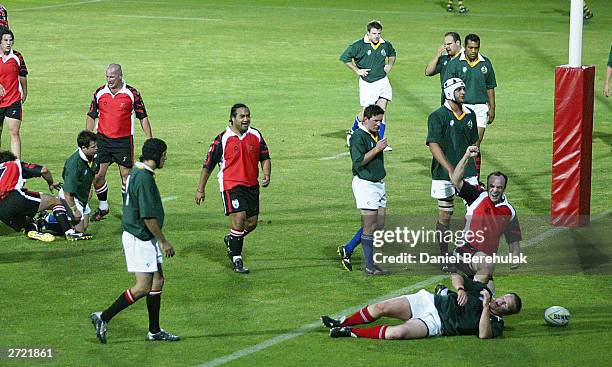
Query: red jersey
point(115, 112)
point(238, 157)
point(12, 66)
point(13, 173)
point(490, 220)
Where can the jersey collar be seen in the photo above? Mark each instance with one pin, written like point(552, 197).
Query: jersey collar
point(141, 165)
point(228, 130)
point(463, 108)
point(462, 57)
point(122, 89)
point(366, 40)
point(375, 137)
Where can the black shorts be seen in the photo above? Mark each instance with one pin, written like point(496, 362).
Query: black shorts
point(17, 206)
point(117, 150)
point(13, 111)
point(241, 199)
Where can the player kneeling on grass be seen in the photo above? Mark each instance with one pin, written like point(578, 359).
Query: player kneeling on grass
point(427, 315)
point(78, 175)
point(143, 218)
point(18, 206)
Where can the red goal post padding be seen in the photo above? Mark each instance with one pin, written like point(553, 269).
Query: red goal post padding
point(570, 203)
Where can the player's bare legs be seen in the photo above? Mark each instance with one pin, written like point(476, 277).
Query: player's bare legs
point(398, 308)
point(14, 126)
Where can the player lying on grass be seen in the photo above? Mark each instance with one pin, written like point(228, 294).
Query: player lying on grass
point(473, 312)
point(18, 205)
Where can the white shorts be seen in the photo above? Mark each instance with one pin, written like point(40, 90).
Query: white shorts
point(369, 195)
point(369, 93)
point(481, 111)
point(423, 308)
point(141, 256)
point(78, 203)
point(442, 189)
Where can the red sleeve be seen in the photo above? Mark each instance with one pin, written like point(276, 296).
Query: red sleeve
point(469, 192)
point(214, 155)
point(30, 170)
point(139, 108)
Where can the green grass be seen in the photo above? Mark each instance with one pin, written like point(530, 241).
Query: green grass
point(191, 61)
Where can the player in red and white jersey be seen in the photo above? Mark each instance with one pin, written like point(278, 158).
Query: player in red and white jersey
point(18, 205)
point(3, 17)
point(13, 88)
point(114, 106)
point(489, 216)
point(238, 151)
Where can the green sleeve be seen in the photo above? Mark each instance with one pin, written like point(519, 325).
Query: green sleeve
point(148, 198)
point(451, 69)
point(391, 51)
point(434, 129)
point(491, 83)
point(439, 65)
point(70, 175)
point(497, 326)
point(358, 151)
point(348, 54)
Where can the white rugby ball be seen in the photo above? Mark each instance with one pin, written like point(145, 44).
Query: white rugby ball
point(557, 316)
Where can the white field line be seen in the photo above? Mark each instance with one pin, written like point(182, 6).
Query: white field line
point(169, 198)
point(315, 324)
point(163, 17)
point(339, 155)
point(56, 6)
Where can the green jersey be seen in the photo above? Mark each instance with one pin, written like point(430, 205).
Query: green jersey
point(361, 143)
point(142, 201)
point(367, 56)
point(478, 76)
point(464, 320)
point(454, 134)
point(78, 175)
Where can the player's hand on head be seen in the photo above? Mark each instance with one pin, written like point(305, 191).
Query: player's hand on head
point(442, 50)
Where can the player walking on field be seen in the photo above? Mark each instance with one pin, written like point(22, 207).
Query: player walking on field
point(368, 187)
point(237, 151)
point(143, 243)
point(114, 106)
point(477, 73)
point(13, 88)
point(371, 58)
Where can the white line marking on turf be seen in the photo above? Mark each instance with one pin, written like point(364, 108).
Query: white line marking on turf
point(163, 17)
point(56, 5)
point(169, 198)
point(315, 324)
point(339, 155)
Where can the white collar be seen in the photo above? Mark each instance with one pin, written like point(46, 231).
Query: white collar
point(141, 165)
point(463, 108)
point(366, 39)
point(463, 58)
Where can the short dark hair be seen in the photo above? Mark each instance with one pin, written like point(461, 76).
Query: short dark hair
point(471, 37)
point(85, 137)
point(374, 24)
point(235, 107)
point(7, 156)
point(373, 110)
point(455, 35)
point(153, 149)
point(4, 31)
point(518, 303)
point(498, 173)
